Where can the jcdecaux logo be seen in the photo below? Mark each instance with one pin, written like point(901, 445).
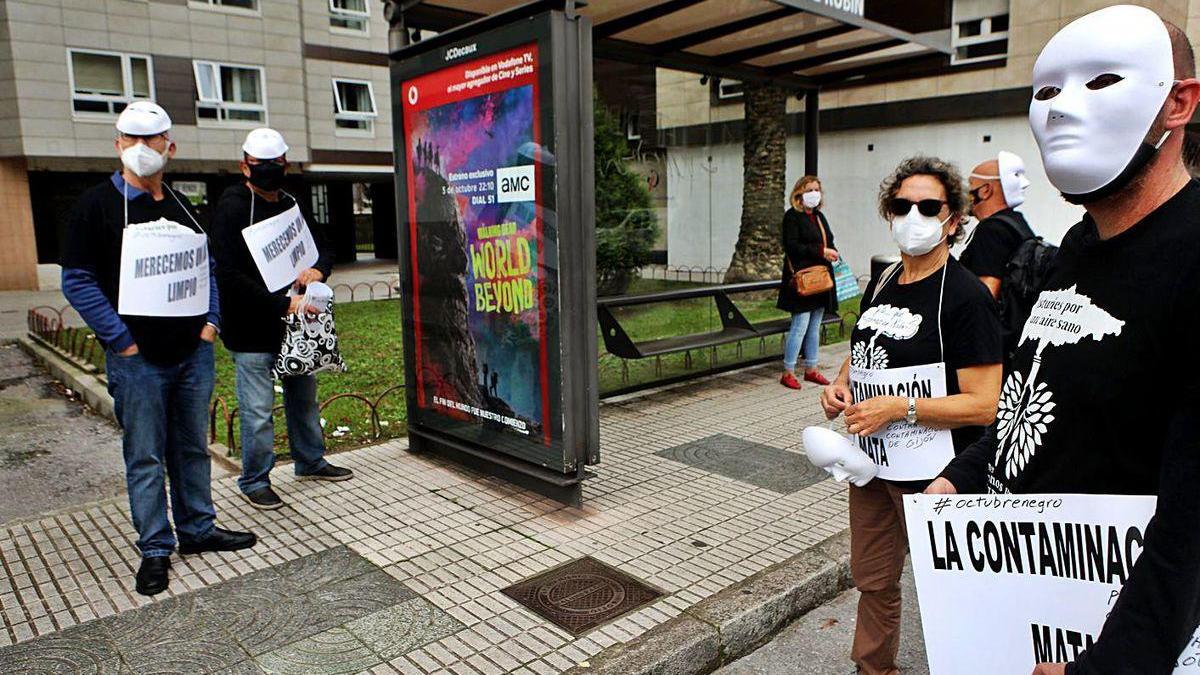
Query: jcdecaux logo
point(458, 52)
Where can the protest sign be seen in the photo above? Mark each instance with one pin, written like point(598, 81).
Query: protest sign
point(164, 271)
point(904, 451)
point(1009, 581)
point(282, 247)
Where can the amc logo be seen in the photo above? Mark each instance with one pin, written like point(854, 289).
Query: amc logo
point(515, 184)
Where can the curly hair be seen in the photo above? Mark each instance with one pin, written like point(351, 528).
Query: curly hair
point(946, 173)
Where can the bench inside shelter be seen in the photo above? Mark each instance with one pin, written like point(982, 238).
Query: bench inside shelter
point(734, 328)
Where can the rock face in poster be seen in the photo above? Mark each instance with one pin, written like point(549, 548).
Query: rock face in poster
point(483, 292)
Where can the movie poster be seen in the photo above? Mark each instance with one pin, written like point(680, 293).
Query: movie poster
point(479, 247)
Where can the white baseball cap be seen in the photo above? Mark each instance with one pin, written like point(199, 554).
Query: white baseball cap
point(143, 118)
point(264, 143)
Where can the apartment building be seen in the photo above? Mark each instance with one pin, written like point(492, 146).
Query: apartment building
point(316, 70)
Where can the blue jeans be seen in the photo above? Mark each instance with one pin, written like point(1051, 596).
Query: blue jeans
point(805, 332)
point(256, 399)
point(164, 413)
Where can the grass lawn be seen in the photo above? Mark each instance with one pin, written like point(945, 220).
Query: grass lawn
point(369, 336)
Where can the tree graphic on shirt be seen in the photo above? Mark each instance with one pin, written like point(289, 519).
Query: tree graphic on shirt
point(1062, 317)
point(897, 323)
point(869, 355)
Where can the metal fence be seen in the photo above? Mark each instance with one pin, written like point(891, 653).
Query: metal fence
point(77, 343)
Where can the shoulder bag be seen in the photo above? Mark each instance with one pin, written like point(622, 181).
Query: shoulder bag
point(815, 279)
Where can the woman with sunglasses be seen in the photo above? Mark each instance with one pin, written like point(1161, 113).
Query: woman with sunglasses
point(922, 380)
point(807, 242)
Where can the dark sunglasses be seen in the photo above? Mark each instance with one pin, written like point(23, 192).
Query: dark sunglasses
point(926, 207)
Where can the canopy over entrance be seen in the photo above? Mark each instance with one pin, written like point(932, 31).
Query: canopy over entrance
point(805, 44)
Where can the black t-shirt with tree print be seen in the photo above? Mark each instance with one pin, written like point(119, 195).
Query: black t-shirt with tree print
point(1104, 400)
point(970, 329)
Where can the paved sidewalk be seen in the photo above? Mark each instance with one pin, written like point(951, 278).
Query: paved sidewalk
point(402, 568)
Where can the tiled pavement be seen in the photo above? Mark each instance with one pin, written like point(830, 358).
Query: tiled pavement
point(689, 522)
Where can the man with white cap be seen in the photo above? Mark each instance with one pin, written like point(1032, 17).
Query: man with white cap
point(255, 300)
point(136, 268)
point(1104, 397)
point(997, 188)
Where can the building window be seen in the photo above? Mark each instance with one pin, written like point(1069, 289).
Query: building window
point(354, 105)
point(251, 5)
point(103, 82)
point(980, 31)
point(723, 90)
point(230, 93)
point(320, 203)
point(195, 191)
point(351, 15)
point(633, 126)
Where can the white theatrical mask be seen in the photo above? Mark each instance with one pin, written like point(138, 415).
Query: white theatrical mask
point(831, 451)
point(1012, 178)
point(1097, 88)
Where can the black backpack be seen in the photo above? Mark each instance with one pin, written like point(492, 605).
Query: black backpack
point(1024, 276)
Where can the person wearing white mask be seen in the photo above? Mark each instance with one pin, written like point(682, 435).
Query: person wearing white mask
point(997, 187)
point(253, 312)
point(1112, 94)
point(929, 329)
point(158, 345)
point(807, 243)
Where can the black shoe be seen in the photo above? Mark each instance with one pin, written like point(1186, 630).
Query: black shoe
point(219, 540)
point(329, 472)
point(264, 499)
point(152, 575)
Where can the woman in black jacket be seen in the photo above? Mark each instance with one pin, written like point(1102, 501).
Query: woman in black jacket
point(807, 241)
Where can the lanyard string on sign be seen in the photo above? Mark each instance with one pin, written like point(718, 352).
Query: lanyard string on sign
point(891, 273)
point(125, 204)
point(253, 195)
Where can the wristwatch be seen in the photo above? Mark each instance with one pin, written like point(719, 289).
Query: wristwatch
point(911, 417)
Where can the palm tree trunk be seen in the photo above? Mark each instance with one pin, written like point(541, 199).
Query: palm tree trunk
point(758, 253)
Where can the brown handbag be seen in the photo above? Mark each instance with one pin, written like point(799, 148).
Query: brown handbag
point(815, 279)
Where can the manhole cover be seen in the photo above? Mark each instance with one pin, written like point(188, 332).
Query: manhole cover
point(582, 595)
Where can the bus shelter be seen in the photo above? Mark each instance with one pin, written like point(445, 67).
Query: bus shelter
point(496, 198)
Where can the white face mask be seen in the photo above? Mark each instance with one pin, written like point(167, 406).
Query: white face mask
point(143, 160)
point(811, 199)
point(916, 234)
point(1093, 106)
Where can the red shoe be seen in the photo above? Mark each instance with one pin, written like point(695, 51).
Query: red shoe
point(816, 378)
point(789, 380)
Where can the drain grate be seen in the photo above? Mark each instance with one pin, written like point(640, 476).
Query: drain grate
point(582, 595)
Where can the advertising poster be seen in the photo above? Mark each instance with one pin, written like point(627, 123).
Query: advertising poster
point(1041, 573)
point(482, 257)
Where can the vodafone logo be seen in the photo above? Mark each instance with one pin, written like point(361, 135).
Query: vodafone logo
point(412, 94)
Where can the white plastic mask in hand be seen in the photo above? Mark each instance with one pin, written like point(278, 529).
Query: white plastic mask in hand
point(811, 199)
point(916, 234)
point(143, 160)
point(1097, 88)
point(835, 454)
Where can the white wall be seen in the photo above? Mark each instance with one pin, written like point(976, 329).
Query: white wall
point(703, 220)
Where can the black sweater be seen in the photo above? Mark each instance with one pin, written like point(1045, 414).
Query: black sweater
point(250, 313)
point(91, 258)
point(803, 247)
point(1112, 406)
